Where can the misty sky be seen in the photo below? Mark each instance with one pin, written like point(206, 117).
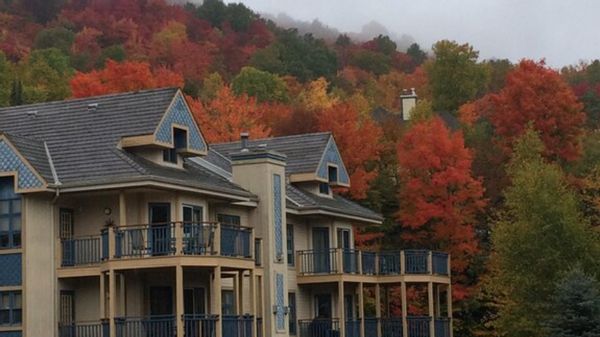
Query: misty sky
point(563, 32)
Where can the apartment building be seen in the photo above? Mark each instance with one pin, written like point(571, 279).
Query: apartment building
point(117, 219)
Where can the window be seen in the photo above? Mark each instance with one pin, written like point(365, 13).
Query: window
point(180, 137)
point(194, 301)
point(10, 308)
point(228, 302)
point(324, 188)
point(290, 244)
point(292, 306)
point(192, 214)
point(10, 215)
point(226, 219)
point(170, 155)
point(333, 174)
point(66, 223)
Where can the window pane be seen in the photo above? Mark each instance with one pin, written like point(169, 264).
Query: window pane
point(4, 224)
point(16, 206)
point(17, 300)
point(4, 301)
point(16, 239)
point(4, 206)
point(17, 317)
point(3, 239)
point(16, 222)
point(4, 317)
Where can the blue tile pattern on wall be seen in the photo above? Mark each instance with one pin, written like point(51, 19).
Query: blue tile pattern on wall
point(180, 114)
point(10, 161)
point(278, 216)
point(332, 156)
point(11, 334)
point(10, 269)
point(279, 303)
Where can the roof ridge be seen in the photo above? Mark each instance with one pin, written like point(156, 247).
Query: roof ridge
point(70, 100)
point(280, 137)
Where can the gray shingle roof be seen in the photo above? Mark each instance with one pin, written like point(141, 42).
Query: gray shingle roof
point(303, 152)
point(83, 142)
point(303, 200)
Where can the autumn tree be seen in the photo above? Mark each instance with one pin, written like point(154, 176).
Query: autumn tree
point(454, 74)
point(538, 238)
point(536, 96)
point(45, 76)
point(225, 117)
point(57, 37)
point(439, 197)
point(358, 139)
point(263, 85)
point(122, 77)
point(316, 97)
point(6, 80)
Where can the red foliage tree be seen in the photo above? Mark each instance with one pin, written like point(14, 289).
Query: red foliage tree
point(225, 117)
point(439, 198)
point(358, 139)
point(122, 77)
point(535, 95)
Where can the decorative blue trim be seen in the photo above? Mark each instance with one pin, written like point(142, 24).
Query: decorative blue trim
point(181, 115)
point(279, 302)
point(11, 268)
point(10, 161)
point(332, 156)
point(277, 216)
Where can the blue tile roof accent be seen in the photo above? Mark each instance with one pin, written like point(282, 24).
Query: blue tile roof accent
point(11, 268)
point(280, 306)
point(181, 115)
point(278, 228)
point(10, 161)
point(332, 156)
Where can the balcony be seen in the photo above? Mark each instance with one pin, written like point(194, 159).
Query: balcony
point(336, 261)
point(152, 326)
point(84, 329)
point(151, 241)
point(166, 326)
point(319, 327)
point(417, 326)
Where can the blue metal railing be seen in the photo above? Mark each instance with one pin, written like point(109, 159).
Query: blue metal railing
point(439, 263)
point(84, 329)
point(318, 261)
point(151, 326)
point(200, 325)
point(391, 327)
point(442, 327)
point(237, 326)
point(418, 326)
point(319, 327)
point(198, 238)
point(81, 251)
point(350, 260)
point(104, 239)
point(389, 263)
point(371, 326)
point(416, 261)
point(369, 266)
point(353, 328)
point(235, 241)
point(145, 240)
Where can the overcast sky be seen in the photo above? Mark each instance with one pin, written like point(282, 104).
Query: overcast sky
point(563, 32)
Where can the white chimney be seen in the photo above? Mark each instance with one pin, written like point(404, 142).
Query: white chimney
point(408, 101)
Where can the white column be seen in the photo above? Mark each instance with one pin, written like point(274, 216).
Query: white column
point(361, 308)
point(341, 311)
point(216, 293)
point(179, 299)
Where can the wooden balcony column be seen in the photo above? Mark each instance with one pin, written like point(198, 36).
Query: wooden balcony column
point(449, 302)
point(431, 306)
point(112, 301)
point(216, 296)
point(361, 308)
point(179, 299)
point(341, 307)
point(217, 242)
point(253, 301)
point(404, 309)
point(340, 260)
point(402, 263)
point(378, 307)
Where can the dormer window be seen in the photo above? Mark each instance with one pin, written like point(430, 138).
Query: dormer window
point(333, 174)
point(324, 188)
point(179, 142)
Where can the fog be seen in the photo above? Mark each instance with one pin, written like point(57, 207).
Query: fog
point(562, 32)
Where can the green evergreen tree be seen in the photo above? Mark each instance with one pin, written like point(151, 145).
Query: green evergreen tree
point(263, 85)
point(575, 307)
point(16, 93)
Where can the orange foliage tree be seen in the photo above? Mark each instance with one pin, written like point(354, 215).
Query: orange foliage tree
point(534, 95)
point(123, 77)
point(226, 116)
point(439, 197)
point(358, 139)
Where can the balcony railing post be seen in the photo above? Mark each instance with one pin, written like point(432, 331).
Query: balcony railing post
point(402, 263)
point(340, 260)
point(178, 238)
point(112, 244)
point(217, 243)
point(430, 262)
point(252, 239)
point(360, 263)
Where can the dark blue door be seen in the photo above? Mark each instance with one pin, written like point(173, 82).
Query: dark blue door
point(159, 232)
point(321, 259)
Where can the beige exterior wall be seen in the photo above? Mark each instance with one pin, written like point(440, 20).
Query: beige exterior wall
point(39, 266)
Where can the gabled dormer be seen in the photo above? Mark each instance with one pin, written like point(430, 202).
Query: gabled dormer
point(175, 137)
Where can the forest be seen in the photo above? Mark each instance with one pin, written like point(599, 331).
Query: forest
point(511, 189)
